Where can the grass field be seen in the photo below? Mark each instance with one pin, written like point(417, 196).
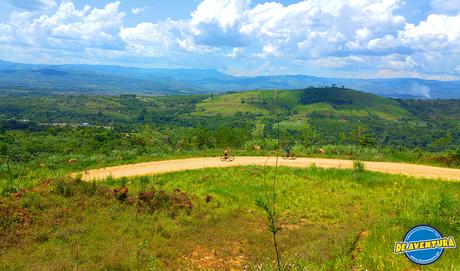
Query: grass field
point(65, 225)
point(231, 104)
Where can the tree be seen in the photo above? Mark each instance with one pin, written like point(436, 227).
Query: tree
point(203, 138)
point(360, 136)
point(141, 115)
point(309, 135)
point(258, 131)
point(441, 143)
point(366, 140)
point(235, 137)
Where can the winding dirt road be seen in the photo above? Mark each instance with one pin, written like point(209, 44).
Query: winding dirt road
point(150, 168)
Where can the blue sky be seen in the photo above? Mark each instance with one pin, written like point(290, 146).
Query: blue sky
point(336, 38)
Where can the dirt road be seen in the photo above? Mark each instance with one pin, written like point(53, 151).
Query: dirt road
point(208, 162)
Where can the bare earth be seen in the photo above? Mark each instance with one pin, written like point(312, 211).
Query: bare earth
point(150, 168)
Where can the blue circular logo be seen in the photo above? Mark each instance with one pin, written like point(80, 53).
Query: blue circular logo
point(423, 233)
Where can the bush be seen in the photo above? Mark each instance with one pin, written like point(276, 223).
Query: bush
point(64, 187)
point(7, 187)
point(32, 200)
point(89, 189)
point(453, 156)
point(155, 200)
point(358, 166)
point(69, 187)
point(123, 181)
point(450, 157)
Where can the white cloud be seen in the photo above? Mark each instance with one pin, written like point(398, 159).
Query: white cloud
point(139, 10)
point(383, 43)
point(438, 31)
point(235, 52)
point(70, 28)
point(253, 69)
point(333, 62)
point(155, 39)
point(270, 50)
point(388, 73)
point(363, 33)
point(215, 22)
point(398, 62)
point(6, 33)
point(224, 13)
point(319, 27)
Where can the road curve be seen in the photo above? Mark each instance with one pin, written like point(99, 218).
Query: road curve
point(157, 167)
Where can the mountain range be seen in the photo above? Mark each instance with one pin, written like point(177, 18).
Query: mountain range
point(105, 79)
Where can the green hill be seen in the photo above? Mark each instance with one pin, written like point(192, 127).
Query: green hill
point(302, 103)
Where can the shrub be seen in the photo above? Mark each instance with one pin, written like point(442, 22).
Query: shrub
point(64, 187)
point(156, 200)
point(89, 189)
point(453, 156)
point(32, 200)
point(69, 187)
point(123, 181)
point(7, 187)
point(358, 166)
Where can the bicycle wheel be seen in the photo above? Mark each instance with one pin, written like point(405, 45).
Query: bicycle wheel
point(285, 156)
point(293, 156)
point(231, 158)
point(223, 158)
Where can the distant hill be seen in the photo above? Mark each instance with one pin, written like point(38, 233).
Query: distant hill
point(106, 79)
point(300, 103)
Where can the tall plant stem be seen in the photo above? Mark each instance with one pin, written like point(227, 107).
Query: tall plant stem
point(275, 226)
point(275, 244)
point(269, 206)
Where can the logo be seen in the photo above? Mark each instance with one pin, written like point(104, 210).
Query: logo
point(424, 245)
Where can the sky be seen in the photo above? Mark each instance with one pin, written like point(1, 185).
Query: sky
point(332, 38)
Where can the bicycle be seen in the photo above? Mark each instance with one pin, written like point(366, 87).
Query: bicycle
point(227, 158)
point(290, 155)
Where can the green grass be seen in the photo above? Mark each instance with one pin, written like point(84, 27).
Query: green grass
point(320, 211)
point(231, 104)
point(293, 125)
point(303, 109)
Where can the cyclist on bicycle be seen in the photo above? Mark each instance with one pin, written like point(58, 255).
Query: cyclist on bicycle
point(226, 152)
point(288, 149)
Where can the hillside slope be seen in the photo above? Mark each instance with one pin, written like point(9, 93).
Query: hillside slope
point(301, 103)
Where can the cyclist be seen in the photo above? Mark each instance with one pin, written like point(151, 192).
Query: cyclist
point(288, 149)
point(226, 152)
